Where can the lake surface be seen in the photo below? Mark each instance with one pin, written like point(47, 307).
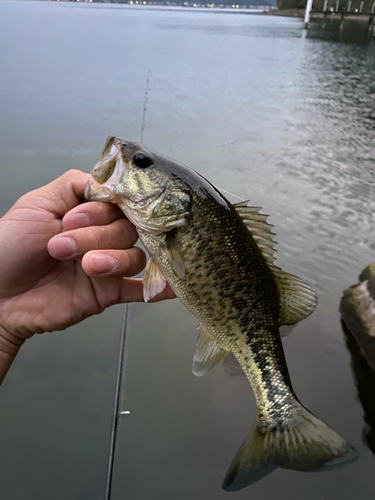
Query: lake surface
point(263, 110)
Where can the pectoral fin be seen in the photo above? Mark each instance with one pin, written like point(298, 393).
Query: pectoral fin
point(174, 256)
point(208, 352)
point(153, 281)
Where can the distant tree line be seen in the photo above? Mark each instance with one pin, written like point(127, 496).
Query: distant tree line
point(241, 3)
point(280, 4)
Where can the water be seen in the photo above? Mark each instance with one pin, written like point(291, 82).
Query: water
point(263, 111)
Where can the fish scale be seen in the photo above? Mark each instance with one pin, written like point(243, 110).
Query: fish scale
point(218, 258)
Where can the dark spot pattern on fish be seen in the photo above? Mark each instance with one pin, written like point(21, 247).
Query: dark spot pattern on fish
point(229, 283)
point(205, 250)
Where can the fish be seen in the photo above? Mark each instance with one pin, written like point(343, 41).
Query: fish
point(218, 258)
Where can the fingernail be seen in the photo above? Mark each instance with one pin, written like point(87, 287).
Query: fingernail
point(102, 263)
point(63, 247)
point(75, 221)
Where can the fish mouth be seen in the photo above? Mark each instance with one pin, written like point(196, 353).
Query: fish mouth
point(96, 192)
point(136, 211)
point(86, 193)
point(107, 173)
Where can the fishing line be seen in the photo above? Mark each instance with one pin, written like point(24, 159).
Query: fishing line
point(227, 192)
point(145, 104)
point(121, 365)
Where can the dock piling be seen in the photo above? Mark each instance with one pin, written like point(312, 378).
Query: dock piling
point(344, 12)
point(307, 13)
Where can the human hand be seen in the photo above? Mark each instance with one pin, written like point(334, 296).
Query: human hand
point(62, 261)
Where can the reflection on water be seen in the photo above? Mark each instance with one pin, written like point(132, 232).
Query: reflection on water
point(332, 29)
point(358, 324)
point(365, 382)
point(282, 120)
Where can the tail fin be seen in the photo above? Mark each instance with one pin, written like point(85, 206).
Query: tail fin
point(304, 444)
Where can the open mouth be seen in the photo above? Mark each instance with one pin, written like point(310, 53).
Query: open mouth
point(96, 190)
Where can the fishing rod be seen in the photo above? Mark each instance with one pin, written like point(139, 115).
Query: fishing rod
point(116, 413)
point(145, 104)
point(122, 361)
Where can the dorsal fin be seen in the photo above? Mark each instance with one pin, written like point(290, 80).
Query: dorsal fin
point(259, 228)
point(297, 300)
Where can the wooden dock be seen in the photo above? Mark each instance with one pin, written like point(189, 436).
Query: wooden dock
point(343, 11)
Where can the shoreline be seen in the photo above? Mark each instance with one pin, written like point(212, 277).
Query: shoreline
point(230, 9)
point(235, 8)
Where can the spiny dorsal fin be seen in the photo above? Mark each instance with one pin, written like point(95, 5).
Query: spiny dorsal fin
point(208, 352)
point(259, 228)
point(297, 300)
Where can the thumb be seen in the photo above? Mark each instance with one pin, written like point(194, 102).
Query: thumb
point(57, 197)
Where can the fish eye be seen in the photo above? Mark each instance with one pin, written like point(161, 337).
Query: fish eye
point(142, 160)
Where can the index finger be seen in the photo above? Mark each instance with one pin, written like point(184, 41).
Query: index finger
point(92, 213)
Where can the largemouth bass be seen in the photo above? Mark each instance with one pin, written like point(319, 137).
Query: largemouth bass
point(218, 258)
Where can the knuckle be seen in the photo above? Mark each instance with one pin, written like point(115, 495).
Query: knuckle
point(72, 172)
point(102, 213)
point(100, 237)
point(68, 176)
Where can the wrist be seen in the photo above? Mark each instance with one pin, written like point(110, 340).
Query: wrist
point(9, 347)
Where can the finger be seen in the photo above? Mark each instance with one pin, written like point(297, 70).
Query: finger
point(72, 245)
point(60, 195)
point(132, 291)
point(114, 263)
point(92, 213)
